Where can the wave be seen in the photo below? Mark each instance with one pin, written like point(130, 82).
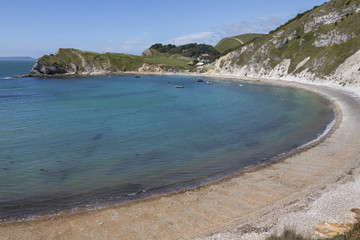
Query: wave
point(5, 78)
point(324, 133)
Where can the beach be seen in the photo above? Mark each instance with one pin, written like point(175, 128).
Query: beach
point(315, 185)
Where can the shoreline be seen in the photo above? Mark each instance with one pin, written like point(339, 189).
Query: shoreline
point(175, 188)
point(203, 210)
point(105, 201)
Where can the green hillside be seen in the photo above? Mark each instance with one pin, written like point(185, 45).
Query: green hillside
point(245, 38)
point(166, 60)
point(313, 45)
point(73, 60)
point(328, 43)
point(231, 43)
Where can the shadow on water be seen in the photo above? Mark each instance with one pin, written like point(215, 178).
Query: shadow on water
point(98, 136)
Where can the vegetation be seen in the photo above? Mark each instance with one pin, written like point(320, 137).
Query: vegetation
point(192, 50)
point(231, 43)
point(249, 37)
point(226, 44)
point(291, 41)
point(288, 235)
point(71, 60)
point(298, 16)
point(353, 234)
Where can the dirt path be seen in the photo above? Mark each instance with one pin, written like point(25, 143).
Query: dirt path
point(237, 40)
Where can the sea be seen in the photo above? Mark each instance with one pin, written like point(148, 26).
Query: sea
point(91, 142)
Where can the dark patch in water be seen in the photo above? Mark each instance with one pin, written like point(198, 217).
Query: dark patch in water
point(97, 136)
point(65, 174)
point(21, 96)
point(202, 147)
point(252, 143)
point(89, 151)
point(5, 169)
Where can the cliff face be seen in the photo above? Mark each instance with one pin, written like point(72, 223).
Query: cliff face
point(73, 61)
point(320, 45)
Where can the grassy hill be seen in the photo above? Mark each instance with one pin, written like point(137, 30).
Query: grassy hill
point(313, 45)
point(232, 43)
point(166, 60)
point(68, 60)
point(74, 61)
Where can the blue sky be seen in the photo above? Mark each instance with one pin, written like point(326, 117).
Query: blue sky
point(38, 27)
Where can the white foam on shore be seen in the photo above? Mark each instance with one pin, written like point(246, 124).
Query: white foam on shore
point(323, 134)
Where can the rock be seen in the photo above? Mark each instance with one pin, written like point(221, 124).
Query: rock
point(147, 53)
point(331, 229)
point(282, 43)
point(333, 37)
point(356, 211)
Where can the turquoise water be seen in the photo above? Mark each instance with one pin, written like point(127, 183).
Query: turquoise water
point(89, 142)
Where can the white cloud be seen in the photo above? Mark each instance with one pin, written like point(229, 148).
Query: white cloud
point(258, 25)
point(204, 37)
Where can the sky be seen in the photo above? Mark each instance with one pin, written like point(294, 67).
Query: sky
point(37, 27)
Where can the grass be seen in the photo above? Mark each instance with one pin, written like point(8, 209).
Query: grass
point(66, 60)
point(227, 44)
point(176, 62)
point(288, 235)
point(167, 61)
point(353, 234)
point(245, 38)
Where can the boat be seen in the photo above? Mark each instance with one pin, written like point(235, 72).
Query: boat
point(200, 80)
point(177, 86)
point(137, 76)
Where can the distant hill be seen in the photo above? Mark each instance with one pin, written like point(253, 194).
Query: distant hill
point(158, 58)
point(231, 43)
point(17, 59)
point(69, 61)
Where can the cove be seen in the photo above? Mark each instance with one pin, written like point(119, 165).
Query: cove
point(93, 142)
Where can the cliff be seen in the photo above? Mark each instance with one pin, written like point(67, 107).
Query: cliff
point(77, 62)
point(322, 44)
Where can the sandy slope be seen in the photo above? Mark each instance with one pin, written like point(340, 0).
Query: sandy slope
point(294, 191)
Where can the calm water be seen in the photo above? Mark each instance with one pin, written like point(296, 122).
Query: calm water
point(88, 142)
